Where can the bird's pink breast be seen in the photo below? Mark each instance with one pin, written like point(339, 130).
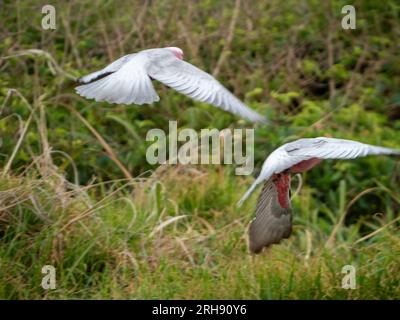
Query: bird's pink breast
point(282, 184)
point(305, 165)
point(282, 180)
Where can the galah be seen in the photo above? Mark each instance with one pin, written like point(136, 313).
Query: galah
point(128, 80)
point(273, 220)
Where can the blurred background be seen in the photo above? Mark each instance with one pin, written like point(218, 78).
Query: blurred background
point(76, 191)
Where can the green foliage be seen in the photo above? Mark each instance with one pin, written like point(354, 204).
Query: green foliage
point(175, 232)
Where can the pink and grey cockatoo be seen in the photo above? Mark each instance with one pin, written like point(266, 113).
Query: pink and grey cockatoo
point(128, 81)
point(273, 221)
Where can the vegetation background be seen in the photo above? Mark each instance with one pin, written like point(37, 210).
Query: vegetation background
point(77, 193)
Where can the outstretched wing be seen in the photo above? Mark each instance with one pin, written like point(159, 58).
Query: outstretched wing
point(124, 81)
point(272, 222)
point(314, 149)
point(128, 80)
point(197, 84)
point(331, 148)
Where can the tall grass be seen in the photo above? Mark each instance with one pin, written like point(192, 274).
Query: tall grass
point(147, 239)
point(77, 193)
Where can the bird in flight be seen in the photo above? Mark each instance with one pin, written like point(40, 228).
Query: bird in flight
point(128, 81)
point(273, 221)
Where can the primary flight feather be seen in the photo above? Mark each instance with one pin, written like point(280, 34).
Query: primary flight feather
point(128, 81)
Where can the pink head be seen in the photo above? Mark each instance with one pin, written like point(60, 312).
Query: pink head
point(177, 52)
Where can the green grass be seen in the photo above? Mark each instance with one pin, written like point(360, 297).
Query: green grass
point(77, 192)
point(151, 241)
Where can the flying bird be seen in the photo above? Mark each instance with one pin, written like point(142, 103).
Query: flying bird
point(273, 221)
point(128, 80)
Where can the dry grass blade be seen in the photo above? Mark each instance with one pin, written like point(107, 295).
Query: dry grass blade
point(331, 239)
point(105, 145)
point(164, 224)
point(372, 234)
point(45, 54)
point(22, 136)
point(90, 210)
point(229, 39)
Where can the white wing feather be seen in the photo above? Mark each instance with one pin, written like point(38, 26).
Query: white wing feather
point(197, 84)
point(112, 67)
point(129, 83)
point(300, 150)
point(330, 148)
